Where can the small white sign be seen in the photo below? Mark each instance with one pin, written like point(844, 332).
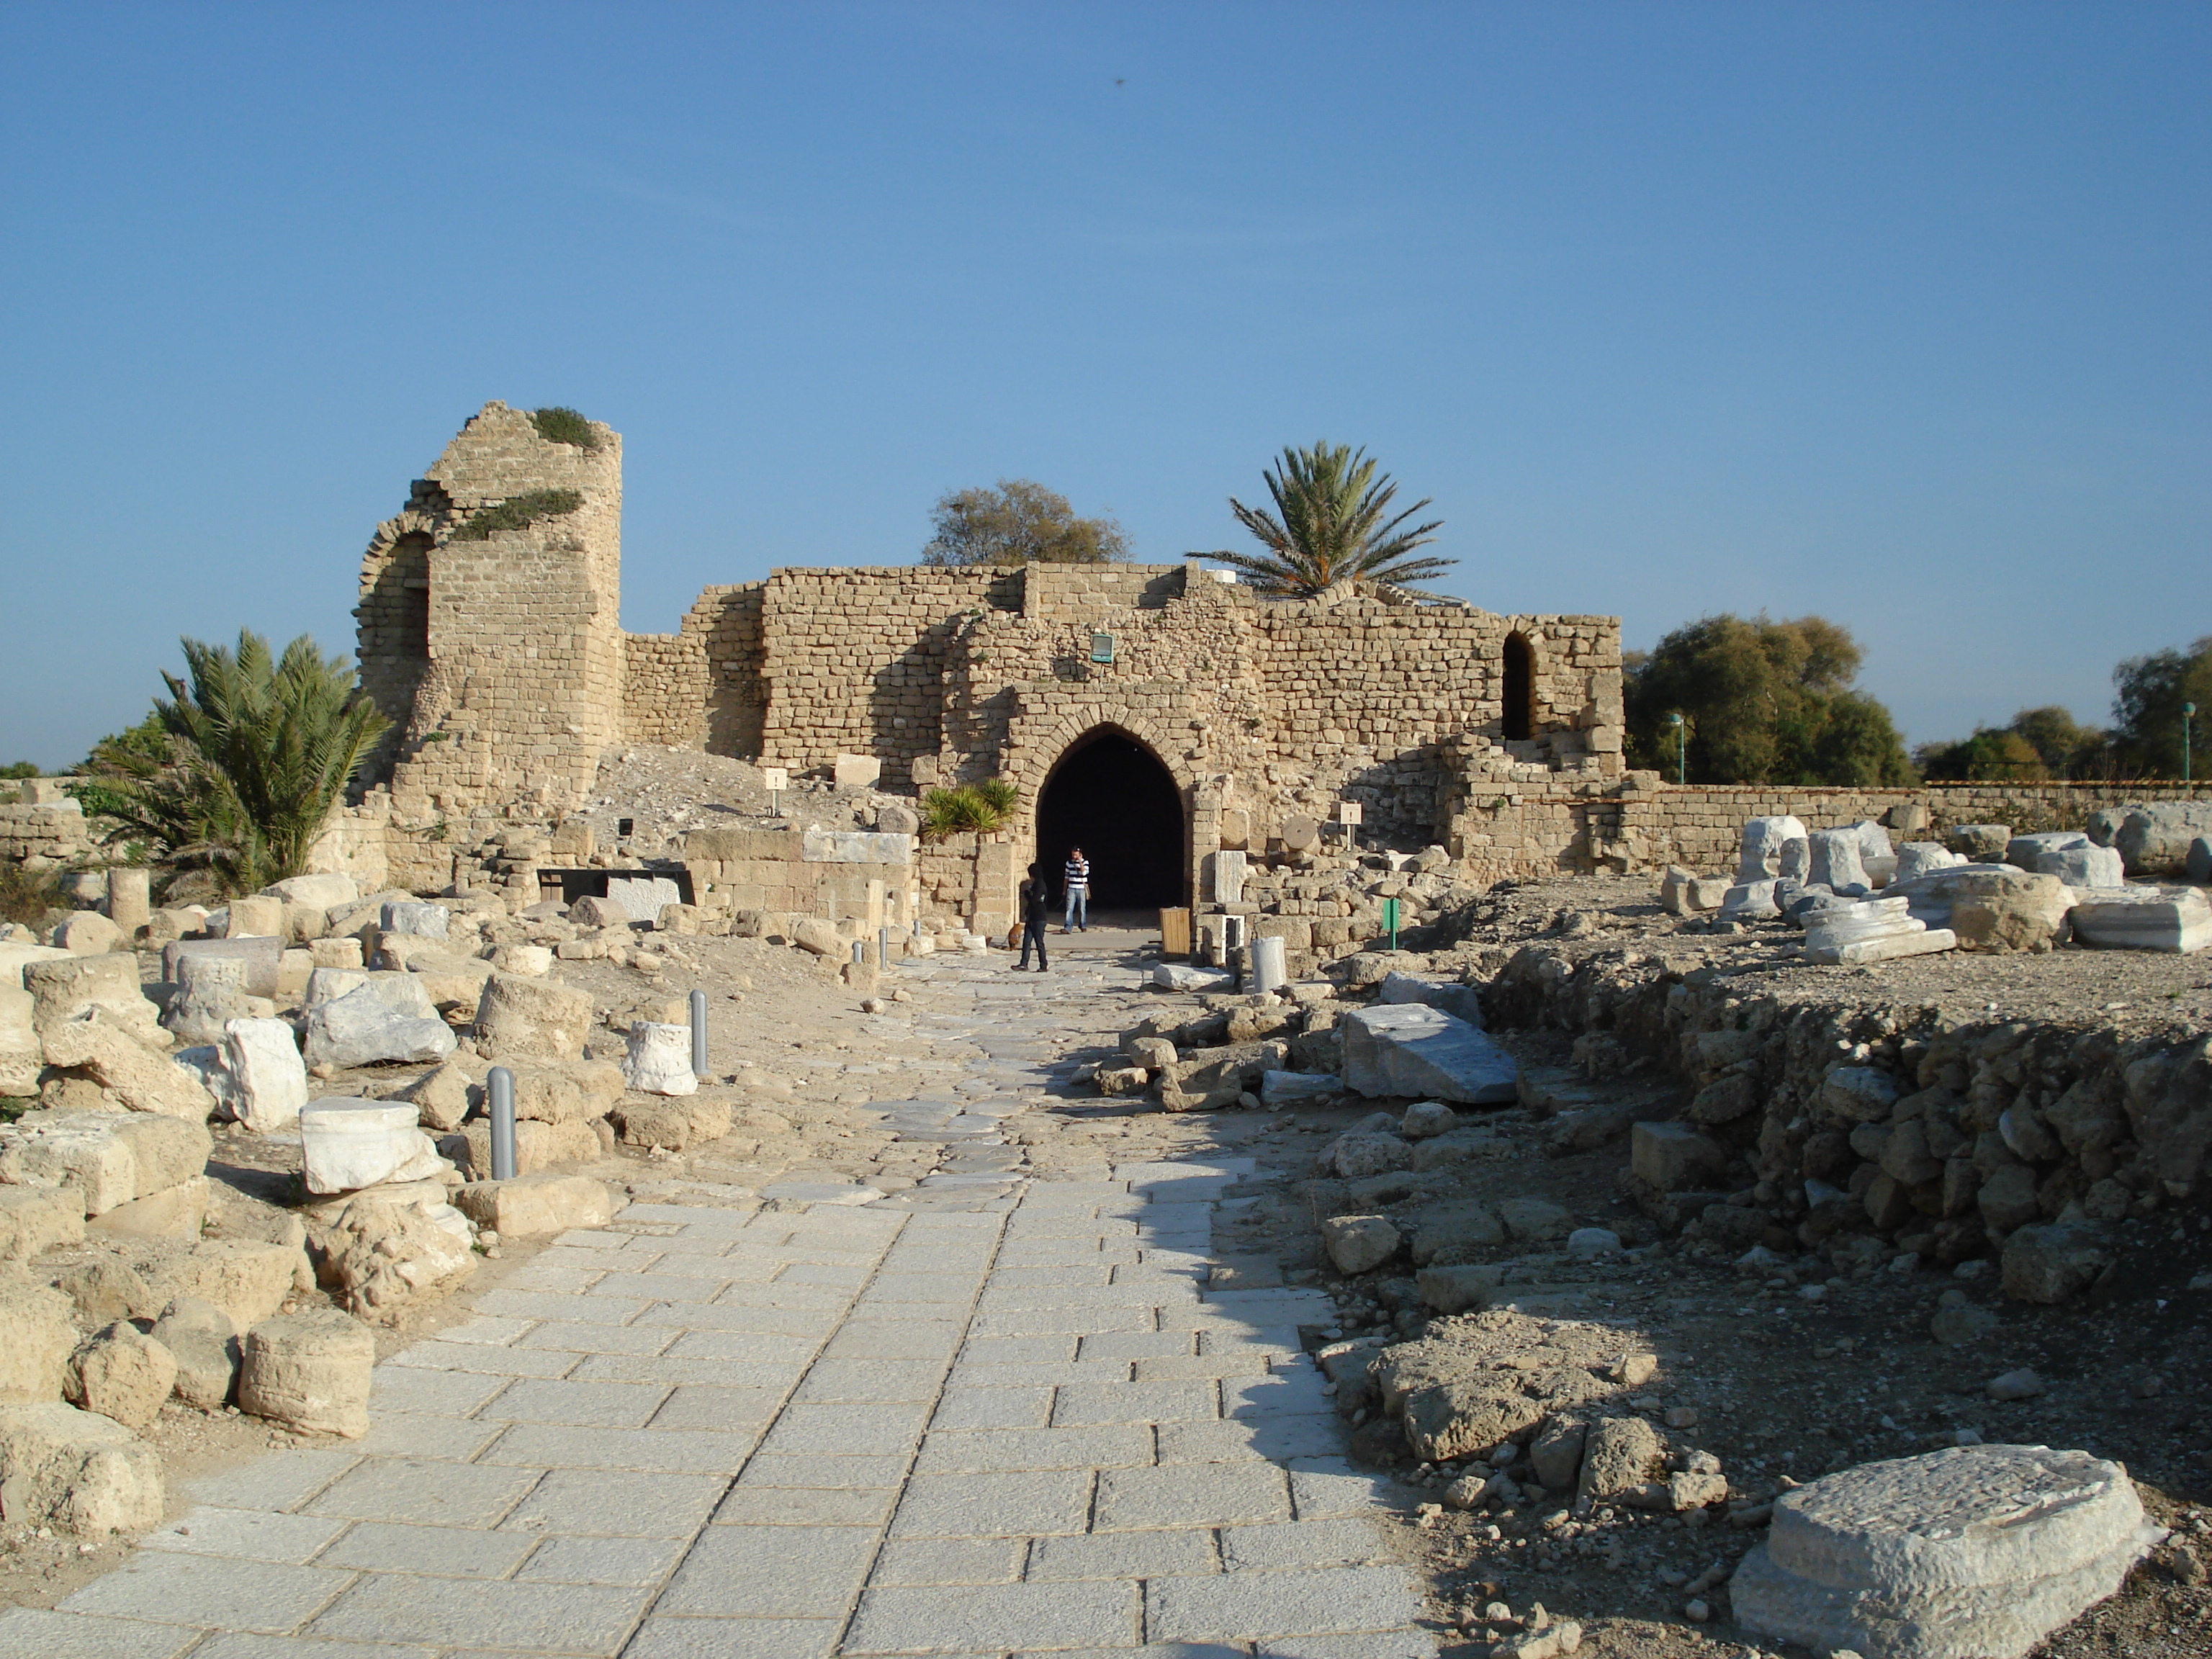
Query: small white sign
point(777, 778)
point(1347, 812)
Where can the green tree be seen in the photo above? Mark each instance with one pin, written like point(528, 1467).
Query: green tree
point(260, 750)
point(2036, 744)
point(1329, 524)
point(22, 770)
point(1020, 522)
point(1762, 701)
point(2147, 694)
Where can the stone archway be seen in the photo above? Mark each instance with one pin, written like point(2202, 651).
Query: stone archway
point(1113, 796)
point(1519, 688)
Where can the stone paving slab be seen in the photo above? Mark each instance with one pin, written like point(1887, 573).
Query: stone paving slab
point(991, 1417)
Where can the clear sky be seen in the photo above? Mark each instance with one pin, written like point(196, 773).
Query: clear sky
point(1897, 313)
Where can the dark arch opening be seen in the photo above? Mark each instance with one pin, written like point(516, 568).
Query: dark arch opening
point(1111, 795)
point(1520, 688)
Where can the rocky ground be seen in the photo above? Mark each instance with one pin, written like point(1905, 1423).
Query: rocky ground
point(1778, 1366)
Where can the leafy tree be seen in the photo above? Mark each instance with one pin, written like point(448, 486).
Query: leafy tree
point(1329, 524)
point(1020, 522)
point(22, 770)
point(2036, 744)
point(1762, 701)
point(2148, 692)
point(260, 749)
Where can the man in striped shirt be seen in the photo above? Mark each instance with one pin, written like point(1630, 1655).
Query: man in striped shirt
point(1077, 878)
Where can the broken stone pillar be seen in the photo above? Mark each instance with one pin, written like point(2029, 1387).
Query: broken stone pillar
point(1879, 930)
point(309, 1371)
point(1763, 842)
point(1229, 878)
point(658, 1059)
point(130, 902)
point(1269, 971)
point(1837, 861)
point(1972, 1550)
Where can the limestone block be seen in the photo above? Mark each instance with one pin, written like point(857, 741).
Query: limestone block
point(1620, 1455)
point(134, 1076)
point(120, 1374)
point(392, 1246)
point(247, 1279)
point(673, 1125)
point(856, 771)
point(1413, 1050)
point(1359, 1244)
point(2154, 839)
point(530, 1205)
point(328, 984)
point(1534, 1220)
point(76, 1470)
point(388, 1018)
point(1980, 843)
point(1181, 977)
point(443, 1096)
point(1460, 1001)
point(40, 1337)
point(70, 988)
point(294, 969)
point(1837, 861)
point(1675, 1157)
point(210, 994)
point(2055, 1263)
point(204, 1345)
point(856, 847)
point(520, 1018)
point(342, 954)
point(1355, 1155)
point(2027, 851)
point(1990, 907)
point(1228, 873)
point(1969, 1553)
point(2145, 918)
point(322, 892)
point(264, 959)
point(178, 1212)
point(658, 1059)
point(256, 918)
point(309, 1371)
point(88, 934)
point(1463, 1287)
point(532, 961)
point(348, 1143)
point(267, 1079)
point(2083, 866)
point(1455, 1418)
point(1920, 858)
point(20, 1057)
point(420, 919)
point(34, 1219)
point(1760, 857)
point(642, 898)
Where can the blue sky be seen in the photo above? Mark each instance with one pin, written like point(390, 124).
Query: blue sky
point(1897, 313)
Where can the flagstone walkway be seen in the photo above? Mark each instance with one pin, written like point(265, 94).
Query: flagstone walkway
point(991, 1419)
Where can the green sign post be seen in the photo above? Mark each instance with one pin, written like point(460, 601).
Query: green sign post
point(1390, 920)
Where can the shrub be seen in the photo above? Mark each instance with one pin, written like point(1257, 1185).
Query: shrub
point(563, 425)
point(971, 808)
point(22, 770)
point(519, 513)
point(27, 898)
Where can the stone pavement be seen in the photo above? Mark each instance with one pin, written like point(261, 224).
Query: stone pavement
point(998, 1416)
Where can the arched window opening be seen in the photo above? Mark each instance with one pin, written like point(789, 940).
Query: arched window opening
point(1520, 702)
point(1111, 795)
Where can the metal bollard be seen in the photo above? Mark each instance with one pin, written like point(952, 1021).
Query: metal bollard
point(883, 947)
point(500, 1088)
point(859, 953)
point(698, 1034)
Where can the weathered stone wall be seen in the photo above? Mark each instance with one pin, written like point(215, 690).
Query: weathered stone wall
point(1946, 1134)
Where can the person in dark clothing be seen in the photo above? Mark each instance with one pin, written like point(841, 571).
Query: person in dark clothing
point(1036, 898)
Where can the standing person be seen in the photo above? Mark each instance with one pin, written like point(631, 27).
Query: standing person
point(1078, 883)
point(1036, 900)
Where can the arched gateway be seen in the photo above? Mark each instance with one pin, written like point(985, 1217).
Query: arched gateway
point(1110, 794)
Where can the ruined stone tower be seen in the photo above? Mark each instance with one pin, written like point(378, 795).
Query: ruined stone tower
point(489, 617)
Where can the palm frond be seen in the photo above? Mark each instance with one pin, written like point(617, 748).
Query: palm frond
point(1331, 521)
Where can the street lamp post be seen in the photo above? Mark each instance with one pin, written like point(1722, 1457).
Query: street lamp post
point(2188, 713)
point(1682, 750)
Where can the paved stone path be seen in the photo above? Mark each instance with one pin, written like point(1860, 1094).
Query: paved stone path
point(986, 1420)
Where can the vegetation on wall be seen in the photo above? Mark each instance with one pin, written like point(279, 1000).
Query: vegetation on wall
point(258, 749)
point(1020, 522)
point(1761, 702)
point(519, 513)
point(1332, 522)
point(560, 425)
point(969, 808)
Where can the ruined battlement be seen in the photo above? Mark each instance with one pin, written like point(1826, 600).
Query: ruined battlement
point(489, 634)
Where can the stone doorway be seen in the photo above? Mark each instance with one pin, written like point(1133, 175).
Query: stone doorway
point(1111, 796)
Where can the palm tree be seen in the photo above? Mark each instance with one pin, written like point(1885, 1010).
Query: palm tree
point(262, 749)
point(1332, 526)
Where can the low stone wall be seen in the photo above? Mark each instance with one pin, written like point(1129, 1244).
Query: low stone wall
point(1851, 1120)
